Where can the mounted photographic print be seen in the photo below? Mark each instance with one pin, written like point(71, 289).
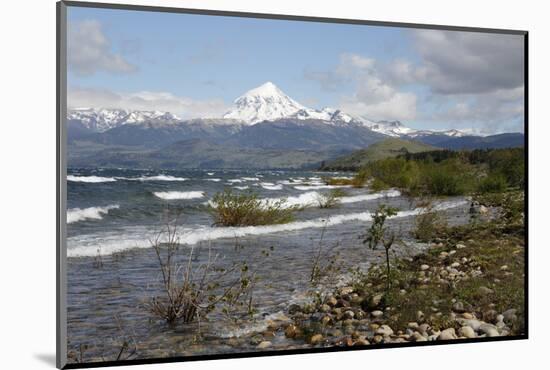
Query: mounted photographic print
point(235, 184)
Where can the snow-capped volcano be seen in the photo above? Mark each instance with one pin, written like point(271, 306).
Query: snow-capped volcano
point(268, 103)
point(263, 103)
point(101, 120)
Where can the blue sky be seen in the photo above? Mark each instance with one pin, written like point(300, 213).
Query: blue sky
point(196, 65)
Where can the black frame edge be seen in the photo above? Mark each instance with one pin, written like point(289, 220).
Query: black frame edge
point(526, 175)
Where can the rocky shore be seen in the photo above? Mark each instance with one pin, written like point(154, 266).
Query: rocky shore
point(459, 289)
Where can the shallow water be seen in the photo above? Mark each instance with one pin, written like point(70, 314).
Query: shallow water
point(106, 304)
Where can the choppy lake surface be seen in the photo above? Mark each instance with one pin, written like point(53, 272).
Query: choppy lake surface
point(114, 213)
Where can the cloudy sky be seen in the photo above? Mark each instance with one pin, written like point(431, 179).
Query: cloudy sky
point(195, 66)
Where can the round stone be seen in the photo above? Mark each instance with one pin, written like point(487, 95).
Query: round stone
point(265, 344)
point(316, 339)
point(447, 334)
point(466, 332)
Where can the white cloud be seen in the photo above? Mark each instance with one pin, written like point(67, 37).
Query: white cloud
point(400, 106)
point(374, 96)
point(184, 107)
point(463, 62)
point(89, 50)
point(498, 111)
point(459, 79)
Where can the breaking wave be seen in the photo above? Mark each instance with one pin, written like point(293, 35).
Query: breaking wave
point(316, 187)
point(312, 198)
point(367, 197)
point(156, 178)
point(302, 200)
point(90, 179)
point(113, 242)
point(92, 213)
point(172, 195)
point(271, 186)
point(98, 179)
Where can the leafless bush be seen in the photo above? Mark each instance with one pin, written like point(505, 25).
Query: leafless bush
point(98, 259)
point(330, 199)
point(192, 289)
point(430, 223)
point(325, 261)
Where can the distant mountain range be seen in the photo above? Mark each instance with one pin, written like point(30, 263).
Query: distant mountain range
point(101, 120)
point(263, 124)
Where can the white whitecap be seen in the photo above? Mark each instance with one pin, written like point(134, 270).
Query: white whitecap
point(271, 186)
point(214, 180)
point(114, 242)
point(159, 178)
point(366, 197)
point(90, 179)
point(91, 213)
point(303, 200)
point(290, 182)
point(318, 186)
point(173, 195)
point(313, 198)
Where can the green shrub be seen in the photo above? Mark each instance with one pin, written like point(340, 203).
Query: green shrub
point(494, 183)
point(510, 163)
point(357, 181)
point(338, 181)
point(449, 177)
point(444, 183)
point(378, 233)
point(378, 185)
point(392, 172)
point(246, 209)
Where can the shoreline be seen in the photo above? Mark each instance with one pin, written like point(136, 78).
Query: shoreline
point(119, 286)
point(356, 312)
point(362, 313)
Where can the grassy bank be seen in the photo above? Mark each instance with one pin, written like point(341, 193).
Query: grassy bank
point(468, 284)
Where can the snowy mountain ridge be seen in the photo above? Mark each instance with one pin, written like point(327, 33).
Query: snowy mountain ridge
point(101, 119)
point(263, 103)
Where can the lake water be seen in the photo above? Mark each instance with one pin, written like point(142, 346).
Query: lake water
point(114, 213)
